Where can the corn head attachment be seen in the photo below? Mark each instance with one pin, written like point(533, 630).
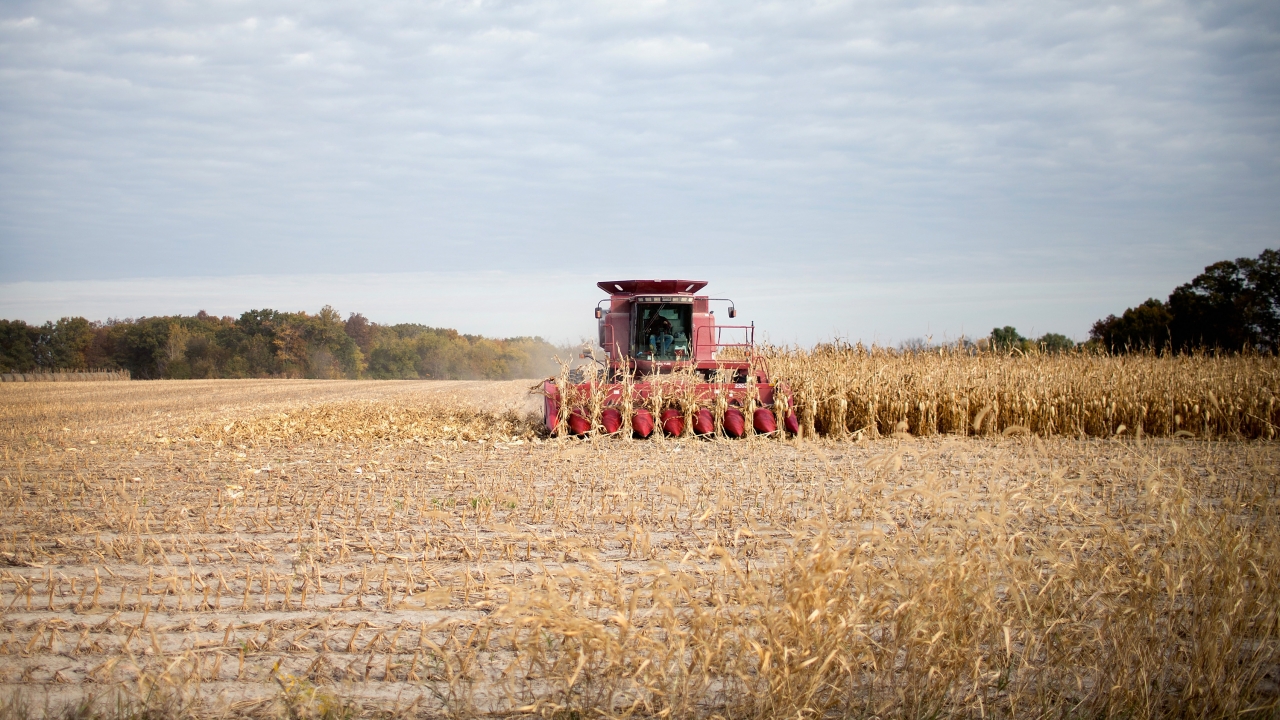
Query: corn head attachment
point(669, 369)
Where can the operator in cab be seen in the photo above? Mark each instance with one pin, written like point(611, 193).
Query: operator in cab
point(660, 335)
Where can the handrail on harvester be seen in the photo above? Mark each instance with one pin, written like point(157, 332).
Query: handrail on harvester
point(749, 336)
point(613, 340)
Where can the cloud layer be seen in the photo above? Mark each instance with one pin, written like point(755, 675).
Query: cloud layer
point(821, 142)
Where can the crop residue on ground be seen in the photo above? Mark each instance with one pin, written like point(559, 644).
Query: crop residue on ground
point(180, 547)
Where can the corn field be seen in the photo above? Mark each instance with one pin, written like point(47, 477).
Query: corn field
point(840, 390)
point(342, 549)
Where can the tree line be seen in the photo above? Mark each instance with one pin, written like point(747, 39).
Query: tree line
point(270, 343)
point(1233, 305)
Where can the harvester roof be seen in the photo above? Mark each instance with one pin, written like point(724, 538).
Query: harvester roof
point(622, 287)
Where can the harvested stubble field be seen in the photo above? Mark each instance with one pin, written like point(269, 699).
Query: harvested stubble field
point(320, 549)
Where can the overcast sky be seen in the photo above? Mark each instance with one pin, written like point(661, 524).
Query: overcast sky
point(867, 170)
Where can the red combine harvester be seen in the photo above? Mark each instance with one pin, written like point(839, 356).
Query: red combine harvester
point(667, 369)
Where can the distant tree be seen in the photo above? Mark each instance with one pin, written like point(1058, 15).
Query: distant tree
point(1145, 327)
point(270, 343)
point(68, 342)
point(1053, 342)
point(394, 359)
point(1212, 310)
point(1263, 278)
point(1231, 305)
point(17, 346)
point(101, 352)
point(359, 328)
point(141, 346)
point(1006, 338)
point(332, 353)
point(914, 345)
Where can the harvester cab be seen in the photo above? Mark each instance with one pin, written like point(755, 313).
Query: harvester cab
point(669, 363)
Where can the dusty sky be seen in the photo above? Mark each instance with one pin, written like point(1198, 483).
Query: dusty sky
point(866, 170)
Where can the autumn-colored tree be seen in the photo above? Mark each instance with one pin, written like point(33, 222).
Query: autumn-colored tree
point(359, 328)
point(270, 343)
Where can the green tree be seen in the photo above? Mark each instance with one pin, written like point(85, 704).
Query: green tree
point(68, 342)
point(1006, 338)
point(141, 347)
point(1231, 305)
point(17, 346)
point(394, 359)
point(1145, 327)
point(1054, 342)
point(1262, 276)
point(332, 353)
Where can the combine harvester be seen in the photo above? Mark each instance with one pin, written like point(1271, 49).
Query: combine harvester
point(668, 368)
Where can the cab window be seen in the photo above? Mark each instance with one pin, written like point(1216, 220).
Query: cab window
point(649, 331)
